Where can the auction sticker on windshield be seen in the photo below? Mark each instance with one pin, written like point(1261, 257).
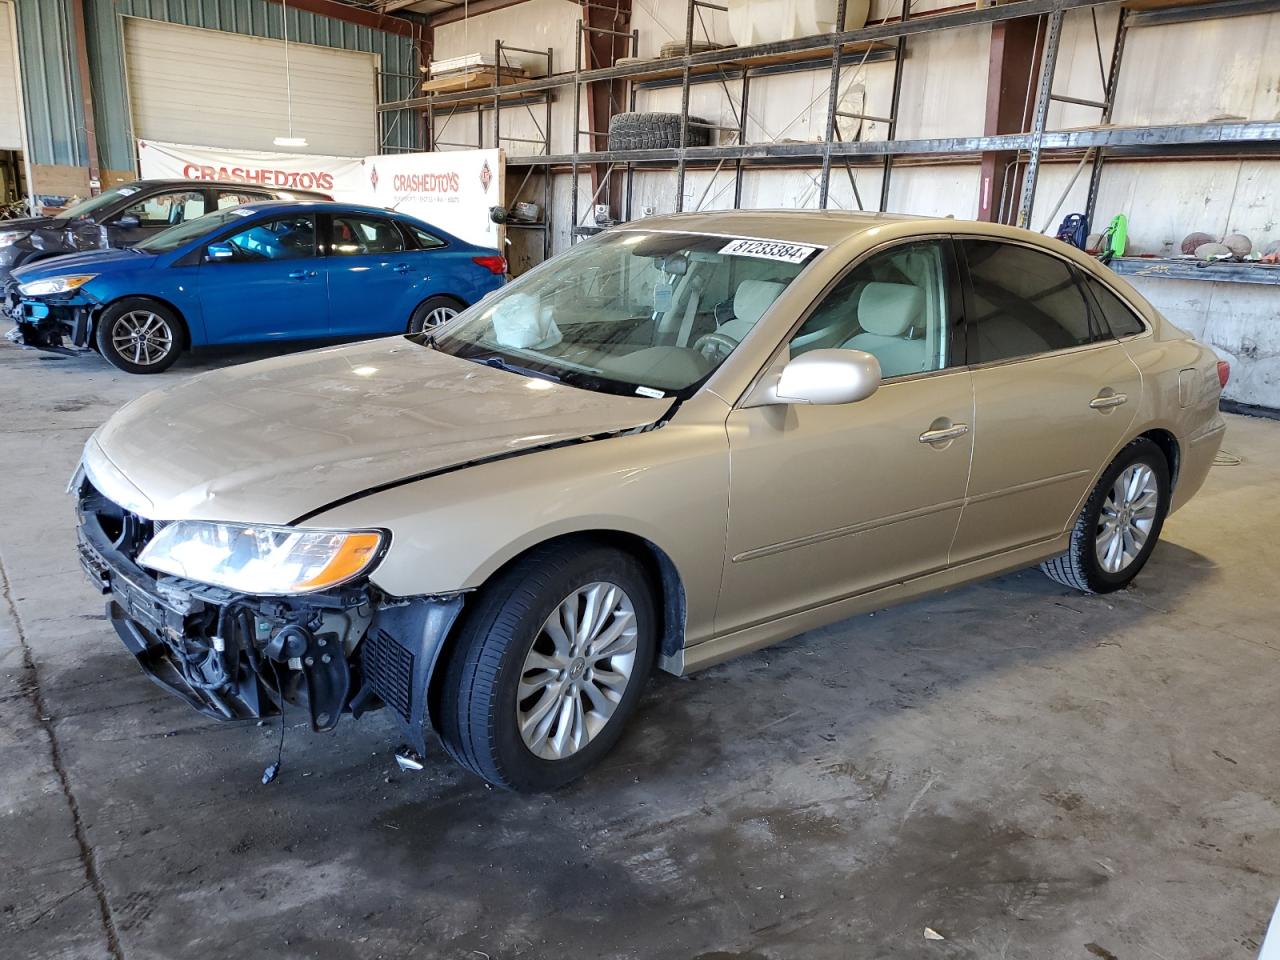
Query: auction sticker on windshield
point(768, 250)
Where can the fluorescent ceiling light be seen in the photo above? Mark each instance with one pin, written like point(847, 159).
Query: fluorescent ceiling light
point(290, 141)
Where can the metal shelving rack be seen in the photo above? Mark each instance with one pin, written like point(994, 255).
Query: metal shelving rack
point(741, 64)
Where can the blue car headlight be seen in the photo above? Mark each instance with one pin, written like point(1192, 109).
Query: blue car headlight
point(45, 288)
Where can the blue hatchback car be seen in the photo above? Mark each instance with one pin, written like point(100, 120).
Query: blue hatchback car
point(275, 270)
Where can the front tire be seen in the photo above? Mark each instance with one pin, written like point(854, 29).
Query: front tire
point(550, 663)
point(139, 336)
point(1119, 524)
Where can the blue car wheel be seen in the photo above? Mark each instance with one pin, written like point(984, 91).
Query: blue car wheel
point(433, 312)
point(139, 335)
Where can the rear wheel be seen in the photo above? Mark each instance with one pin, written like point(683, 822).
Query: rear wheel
point(139, 336)
point(434, 312)
point(549, 665)
point(1119, 524)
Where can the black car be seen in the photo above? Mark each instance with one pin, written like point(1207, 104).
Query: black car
point(121, 217)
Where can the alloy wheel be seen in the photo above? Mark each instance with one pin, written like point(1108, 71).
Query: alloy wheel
point(1127, 516)
point(438, 316)
point(143, 337)
point(577, 670)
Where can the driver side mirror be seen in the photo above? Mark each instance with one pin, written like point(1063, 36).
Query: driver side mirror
point(126, 220)
point(219, 251)
point(820, 377)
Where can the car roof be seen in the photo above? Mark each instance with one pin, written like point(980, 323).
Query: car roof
point(166, 182)
point(820, 227)
point(265, 206)
point(824, 227)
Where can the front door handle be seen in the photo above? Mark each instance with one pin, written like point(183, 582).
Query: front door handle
point(402, 268)
point(1105, 401)
point(943, 434)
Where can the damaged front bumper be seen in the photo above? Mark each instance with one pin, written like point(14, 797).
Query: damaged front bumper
point(238, 657)
point(50, 324)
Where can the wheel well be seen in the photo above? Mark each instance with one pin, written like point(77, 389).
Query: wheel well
point(1168, 445)
point(182, 321)
point(667, 587)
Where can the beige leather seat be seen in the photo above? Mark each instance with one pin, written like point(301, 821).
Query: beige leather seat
point(892, 318)
point(750, 301)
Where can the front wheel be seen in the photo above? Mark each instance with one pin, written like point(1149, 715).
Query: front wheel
point(1119, 524)
point(139, 336)
point(434, 312)
point(549, 665)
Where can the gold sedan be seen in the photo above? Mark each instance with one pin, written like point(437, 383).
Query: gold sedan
point(685, 439)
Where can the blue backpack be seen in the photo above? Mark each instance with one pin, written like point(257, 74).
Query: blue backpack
point(1074, 230)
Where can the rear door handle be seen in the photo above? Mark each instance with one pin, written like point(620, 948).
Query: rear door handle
point(943, 434)
point(1107, 401)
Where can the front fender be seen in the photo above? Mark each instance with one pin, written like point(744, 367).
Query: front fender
point(451, 532)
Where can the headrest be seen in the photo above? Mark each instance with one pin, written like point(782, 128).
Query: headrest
point(754, 297)
point(889, 309)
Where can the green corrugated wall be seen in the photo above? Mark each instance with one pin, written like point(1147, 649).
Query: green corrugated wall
point(55, 117)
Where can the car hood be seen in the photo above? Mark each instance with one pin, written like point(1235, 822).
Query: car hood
point(92, 261)
point(273, 441)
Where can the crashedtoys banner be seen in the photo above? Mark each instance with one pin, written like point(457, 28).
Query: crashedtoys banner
point(452, 190)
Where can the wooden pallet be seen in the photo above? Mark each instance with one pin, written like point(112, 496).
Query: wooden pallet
point(471, 79)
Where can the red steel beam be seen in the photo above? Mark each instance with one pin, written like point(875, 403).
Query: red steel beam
point(1017, 48)
point(359, 16)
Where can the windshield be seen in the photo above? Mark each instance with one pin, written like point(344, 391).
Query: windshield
point(630, 312)
point(174, 237)
point(86, 208)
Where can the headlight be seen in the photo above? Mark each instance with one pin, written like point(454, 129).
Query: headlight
point(261, 559)
point(9, 237)
point(43, 288)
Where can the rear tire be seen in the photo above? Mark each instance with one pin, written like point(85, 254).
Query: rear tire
point(1119, 524)
point(434, 312)
point(138, 335)
point(523, 705)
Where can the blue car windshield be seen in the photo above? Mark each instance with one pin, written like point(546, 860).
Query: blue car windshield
point(171, 239)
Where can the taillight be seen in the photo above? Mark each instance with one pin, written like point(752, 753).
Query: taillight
point(495, 265)
point(1224, 373)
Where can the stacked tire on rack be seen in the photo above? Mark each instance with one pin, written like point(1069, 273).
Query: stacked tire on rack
point(655, 131)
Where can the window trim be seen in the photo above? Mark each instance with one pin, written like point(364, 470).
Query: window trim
point(957, 345)
point(967, 285)
point(411, 244)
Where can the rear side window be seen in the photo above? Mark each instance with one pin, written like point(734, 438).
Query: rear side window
point(421, 239)
point(1122, 321)
point(356, 236)
point(1022, 303)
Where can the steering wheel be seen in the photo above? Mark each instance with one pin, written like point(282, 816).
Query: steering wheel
point(715, 346)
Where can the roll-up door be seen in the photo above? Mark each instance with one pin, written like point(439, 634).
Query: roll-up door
point(210, 87)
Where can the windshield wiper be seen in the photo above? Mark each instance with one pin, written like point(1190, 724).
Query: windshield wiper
point(501, 363)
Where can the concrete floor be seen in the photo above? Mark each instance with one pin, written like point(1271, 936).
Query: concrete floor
point(1030, 772)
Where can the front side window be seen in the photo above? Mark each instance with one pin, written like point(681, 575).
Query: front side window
point(632, 311)
point(893, 305)
point(1022, 303)
point(356, 236)
point(284, 238)
point(1121, 320)
point(167, 209)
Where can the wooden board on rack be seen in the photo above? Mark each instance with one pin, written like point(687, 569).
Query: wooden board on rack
point(471, 80)
point(852, 51)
